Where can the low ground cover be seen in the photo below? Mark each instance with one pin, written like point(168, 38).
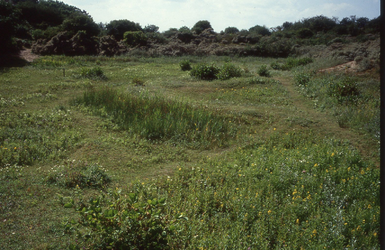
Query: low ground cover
point(186, 163)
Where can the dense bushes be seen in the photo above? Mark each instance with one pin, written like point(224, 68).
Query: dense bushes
point(9, 18)
point(77, 22)
point(117, 28)
point(200, 26)
point(205, 71)
point(134, 38)
point(123, 222)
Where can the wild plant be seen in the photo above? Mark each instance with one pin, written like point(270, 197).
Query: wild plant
point(263, 71)
point(155, 118)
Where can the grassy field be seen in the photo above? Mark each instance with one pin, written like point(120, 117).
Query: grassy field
point(134, 153)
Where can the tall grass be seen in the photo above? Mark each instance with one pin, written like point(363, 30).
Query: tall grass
point(155, 118)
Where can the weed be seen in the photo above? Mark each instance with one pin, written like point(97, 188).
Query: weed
point(228, 71)
point(204, 71)
point(138, 81)
point(185, 65)
point(93, 73)
point(78, 174)
point(123, 222)
point(157, 119)
point(263, 71)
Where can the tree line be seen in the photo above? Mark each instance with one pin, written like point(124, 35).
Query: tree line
point(30, 20)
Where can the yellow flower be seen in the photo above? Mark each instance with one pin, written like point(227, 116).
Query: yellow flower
point(275, 129)
point(314, 231)
point(297, 221)
point(332, 154)
point(269, 212)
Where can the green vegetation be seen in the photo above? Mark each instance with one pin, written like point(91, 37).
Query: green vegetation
point(263, 71)
point(185, 65)
point(94, 158)
point(156, 119)
point(205, 71)
point(200, 26)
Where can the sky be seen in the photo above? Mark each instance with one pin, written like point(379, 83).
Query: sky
point(242, 14)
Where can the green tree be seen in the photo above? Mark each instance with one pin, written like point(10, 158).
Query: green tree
point(79, 21)
point(170, 32)
point(117, 28)
point(185, 34)
point(134, 38)
point(9, 19)
point(200, 26)
point(151, 29)
point(261, 30)
point(231, 30)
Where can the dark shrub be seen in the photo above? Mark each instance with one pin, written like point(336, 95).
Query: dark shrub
point(200, 26)
point(117, 28)
point(204, 71)
point(263, 71)
point(344, 90)
point(134, 38)
point(305, 33)
point(228, 71)
point(231, 30)
point(185, 65)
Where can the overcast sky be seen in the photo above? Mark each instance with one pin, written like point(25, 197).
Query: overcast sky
point(221, 14)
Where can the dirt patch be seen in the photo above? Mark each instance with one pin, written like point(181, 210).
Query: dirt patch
point(27, 55)
point(349, 67)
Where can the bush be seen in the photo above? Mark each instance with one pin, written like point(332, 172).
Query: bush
point(185, 65)
point(275, 65)
point(117, 28)
point(261, 30)
point(204, 71)
point(134, 38)
point(302, 79)
point(343, 90)
point(305, 33)
point(138, 81)
point(77, 22)
point(228, 71)
point(80, 175)
point(231, 30)
point(124, 222)
point(263, 71)
point(185, 34)
point(200, 26)
point(94, 73)
point(295, 62)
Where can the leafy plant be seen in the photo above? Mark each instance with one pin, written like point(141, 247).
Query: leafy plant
point(200, 26)
point(204, 71)
point(78, 174)
point(123, 223)
point(344, 90)
point(263, 71)
point(302, 79)
point(138, 81)
point(93, 73)
point(228, 71)
point(134, 38)
point(185, 65)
